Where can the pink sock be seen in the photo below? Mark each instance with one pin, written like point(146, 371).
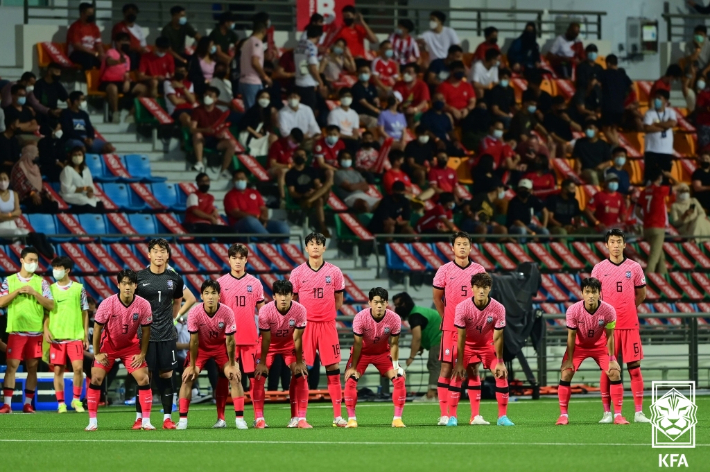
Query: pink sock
point(220, 396)
point(145, 396)
point(335, 391)
point(302, 393)
point(443, 391)
point(617, 396)
point(637, 387)
point(502, 393)
point(454, 396)
point(258, 396)
point(184, 404)
point(399, 395)
point(77, 392)
point(474, 396)
point(93, 395)
point(60, 396)
point(293, 397)
point(351, 396)
point(604, 389)
point(563, 394)
point(238, 406)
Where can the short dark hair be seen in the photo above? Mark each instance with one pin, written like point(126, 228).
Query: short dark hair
point(591, 122)
point(675, 71)
point(225, 17)
point(492, 53)
point(566, 182)
point(619, 149)
point(489, 31)
point(533, 76)
point(260, 17)
point(238, 249)
point(454, 48)
point(83, 6)
point(317, 238)
point(90, 300)
point(406, 23)
point(209, 283)
point(420, 129)
point(456, 65)
point(413, 65)
point(29, 250)
point(482, 279)
point(407, 304)
point(161, 243)
point(591, 48)
point(459, 234)
point(385, 42)
point(200, 176)
point(439, 15)
point(296, 134)
point(398, 186)
point(342, 153)
point(701, 29)
point(446, 197)
point(76, 95)
point(529, 96)
point(122, 36)
point(63, 261)
point(395, 155)
point(55, 65)
point(16, 88)
point(348, 9)
point(614, 232)
point(662, 93)
point(612, 60)
point(330, 128)
point(504, 72)
point(259, 26)
point(343, 91)
point(127, 274)
point(236, 172)
point(27, 76)
point(378, 292)
point(176, 10)
point(282, 287)
point(129, 6)
point(210, 88)
point(162, 42)
point(593, 283)
point(315, 18)
point(314, 31)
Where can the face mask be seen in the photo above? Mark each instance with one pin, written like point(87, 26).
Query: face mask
point(346, 101)
point(657, 103)
point(131, 18)
point(30, 267)
point(348, 21)
point(532, 108)
point(125, 48)
point(408, 77)
point(213, 49)
point(29, 88)
point(699, 38)
point(590, 133)
point(346, 163)
point(293, 102)
point(77, 159)
point(523, 194)
point(159, 54)
point(338, 50)
point(458, 75)
point(208, 100)
point(91, 18)
point(204, 188)
point(504, 83)
point(58, 274)
point(433, 24)
point(299, 160)
point(424, 138)
point(232, 26)
point(264, 102)
point(331, 140)
point(443, 75)
point(4, 184)
point(501, 195)
point(240, 184)
point(179, 76)
point(389, 53)
point(364, 77)
point(182, 20)
point(439, 105)
point(613, 186)
point(58, 134)
point(398, 31)
point(21, 100)
point(620, 161)
point(683, 196)
point(497, 133)
point(700, 85)
point(83, 105)
point(592, 56)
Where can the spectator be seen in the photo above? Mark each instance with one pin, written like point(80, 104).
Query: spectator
point(543, 179)
point(252, 66)
point(351, 187)
point(565, 51)
point(26, 180)
point(500, 100)
point(504, 157)
point(9, 208)
point(177, 31)
point(524, 52)
point(29, 81)
point(529, 149)
point(346, 119)
point(697, 50)
point(257, 122)
point(326, 153)
point(200, 68)
point(525, 120)
point(393, 213)
point(138, 44)
point(484, 73)
point(588, 69)
point(247, 212)
point(440, 219)
point(48, 92)
point(9, 146)
point(222, 82)
point(658, 122)
point(298, 115)
point(702, 115)
point(308, 79)
point(180, 96)
point(316, 19)
point(395, 173)
point(18, 111)
point(203, 121)
point(77, 128)
point(365, 100)
point(439, 38)
point(655, 220)
point(439, 69)
point(607, 209)
point(225, 39)
point(84, 39)
point(367, 156)
point(52, 154)
point(436, 121)
point(459, 95)
point(673, 74)
point(392, 122)
point(115, 77)
point(586, 102)
point(338, 61)
point(442, 178)
point(285, 70)
point(616, 87)
point(687, 214)
point(619, 157)
point(700, 180)
point(201, 215)
point(156, 67)
point(591, 155)
point(475, 126)
point(271, 52)
point(355, 30)
point(521, 210)
point(490, 43)
point(306, 190)
point(419, 153)
point(275, 88)
point(564, 210)
point(404, 45)
point(414, 91)
point(77, 184)
point(385, 70)
point(543, 99)
point(481, 213)
point(281, 157)
point(560, 126)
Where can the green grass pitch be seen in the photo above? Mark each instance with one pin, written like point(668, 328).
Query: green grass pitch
point(52, 442)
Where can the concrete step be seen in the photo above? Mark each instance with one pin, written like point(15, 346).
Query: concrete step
point(133, 148)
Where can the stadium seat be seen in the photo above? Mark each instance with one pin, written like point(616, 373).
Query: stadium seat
point(167, 194)
point(42, 223)
point(98, 172)
point(139, 167)
point(143, 224)
point(93, 223)
point(122, 196)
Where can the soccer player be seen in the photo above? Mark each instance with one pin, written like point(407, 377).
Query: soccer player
point(244, 294)
point(624, 288)
point(26, 296)
point(590, 333)
point(67, 331)
point(115, 337)
point(376, 331)
point(281, 323)
point(451, 287)
point(163, 288)
point(480, 321)
point(212, 327)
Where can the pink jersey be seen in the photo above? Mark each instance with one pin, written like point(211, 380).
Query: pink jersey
point(242, 295)
point(282, 325)
point(480, 323)
point(619, 284)
point(455, 281)
point(212, 330)
point(316, 289)
point(121, 322)
point(376, 334)
point(590, 326)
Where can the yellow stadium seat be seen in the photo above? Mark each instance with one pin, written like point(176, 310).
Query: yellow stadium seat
point(92, 83)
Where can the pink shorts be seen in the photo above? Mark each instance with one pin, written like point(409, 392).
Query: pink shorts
point(600, 356)
point(219, 355)
point(248, 356)
point(126, 356)
point(382, 362)
point(289, 355)
point(24, 347)
point(485, 355)
point(449, 346)
point(321, 336)
point(59, 352)
point(627, 343)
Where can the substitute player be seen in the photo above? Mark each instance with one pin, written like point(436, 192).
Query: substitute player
point(452, 285)
point(212, 327)
point(376, 331)
point(590, 333)
point(480, 321)
point(319, 286)
point(26, 296)
point(115, 337)
point(244, 294)
point(624, 288)
point(67, 331)
point(281, 323)
point(163, 288)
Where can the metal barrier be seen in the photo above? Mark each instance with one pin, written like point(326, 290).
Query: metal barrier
point(679, 26)
point(175, 238)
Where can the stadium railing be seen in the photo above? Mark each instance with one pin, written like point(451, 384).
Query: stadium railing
point(679, 26)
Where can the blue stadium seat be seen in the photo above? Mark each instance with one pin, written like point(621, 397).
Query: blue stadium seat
point(167, 195)
point(143, 224)
point(93, 224)
point(42, 223)
point(122, 196)
point(98, 172)
point(139, 166)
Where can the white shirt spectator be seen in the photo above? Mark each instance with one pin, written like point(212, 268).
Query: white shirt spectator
point(71, 180)
point(438, 44)
point(225, 91)
point(170, 90)
point(405, 50)
point(305, 54)
point(302, 118)
point(347, 121)
point(483, 76)
point(660, 142)
point(138, 33)
point(563, 46)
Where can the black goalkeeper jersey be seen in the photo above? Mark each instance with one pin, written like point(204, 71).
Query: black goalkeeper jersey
point(160, 290)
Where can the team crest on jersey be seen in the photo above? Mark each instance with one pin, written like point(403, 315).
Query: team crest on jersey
point(170, 284)
point(601, 322)
point(628, 274)
point(447, 352)
point(292, 323)
point(387, 330)
point(135, 316)
point(327, 279)
point(249, 288)
point(489, 319)
point(220, 325)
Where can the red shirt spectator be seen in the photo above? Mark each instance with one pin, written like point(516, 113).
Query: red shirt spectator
point(204, 118)
point(247, 200)
point(405, 49)
point(200, 201)
point(608, 207)
point(445, 178)
point(328, 153)
point(413, 94)
point(169, 90)
point(395, 175)
point(702, 108)
point(288, 65)
point(480, 53)
point(543, 184)
point(432, 218)
point(155, 66)
point(653, 202)
point(456, 96)
point(282, 151)
point(499, 149)
point(87, 34)
point(386, 70)
point(354, 37)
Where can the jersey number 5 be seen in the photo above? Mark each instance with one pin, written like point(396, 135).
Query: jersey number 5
point(464, 291)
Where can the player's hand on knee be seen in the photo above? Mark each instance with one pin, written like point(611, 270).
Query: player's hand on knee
point(188, 374)
point(300, 368)
point(459, 372)
point(137, 361)
point(260, 370)
point(567, 365)
point(101, 358)
point(351, 372)
point(501, 371)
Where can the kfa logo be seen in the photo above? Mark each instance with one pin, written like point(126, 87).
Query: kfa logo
point(489, 319)
point(327, 279)
point(601, 322)
point(674, 415)
point(387, 330)
point(135, 316)
point(672, 460)
point(292, 323)
point(220, 325)
point(249, 288)
point(170, 284)
point(628, 274)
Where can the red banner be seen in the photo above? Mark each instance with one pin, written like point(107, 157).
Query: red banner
point(566, 255)
point(156, 110)
point(477, 257)
point(335, 203)
point(702, 281)
point(353, 290)
point(356, 227)
point(56, 54)
point(6, 264)
point(462, 192)
point(374, 192)
point(115, 166)
point(123, 251)
point(677, 256)
point(569, 284)
point(517, 251)
point(101, 255)
point(630, 149)
point(172, 224)
point(99, 285)
point(552, 289)
point(254, 167)
point(72, 225)
point(495, 252)
point(239, 105)
point(121, 223)
point(407, 257)
point(686, 286)
point(344, 81)
point(48, 188)
point(82, 262)
point(565, 171)
point(428, 255)
point(147, 196)
point(198, 252)
point(663, 286)
point(384, 152)
point(273, 256)
point(108, 203)
point(268, 280)
point(565, 88)
point(181, 260)
point(226, 134)
point(294, 253)
point(545, 257)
